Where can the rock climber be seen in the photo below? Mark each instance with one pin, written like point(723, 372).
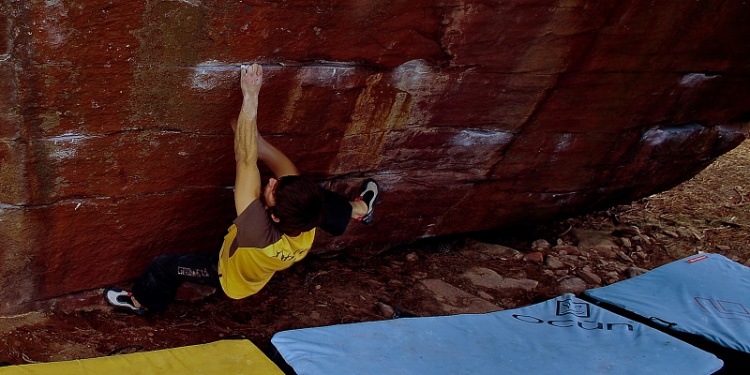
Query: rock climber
point(274, 228)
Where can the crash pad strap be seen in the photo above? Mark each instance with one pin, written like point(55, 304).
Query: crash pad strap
point(220, 357)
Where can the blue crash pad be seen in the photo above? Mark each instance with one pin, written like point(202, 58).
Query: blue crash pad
point(705, 294)
point(552, 337)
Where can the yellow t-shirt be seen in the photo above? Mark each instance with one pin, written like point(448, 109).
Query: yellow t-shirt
point(254, 249)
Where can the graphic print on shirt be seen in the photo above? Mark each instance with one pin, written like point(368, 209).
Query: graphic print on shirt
point(289, 255)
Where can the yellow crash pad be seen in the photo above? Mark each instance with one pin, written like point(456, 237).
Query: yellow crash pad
point(220, 357)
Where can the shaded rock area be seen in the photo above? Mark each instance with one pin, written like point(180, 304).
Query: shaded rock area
point(474, 115)
point(483, 272)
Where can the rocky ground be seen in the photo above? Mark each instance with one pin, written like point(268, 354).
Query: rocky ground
point(485, 272)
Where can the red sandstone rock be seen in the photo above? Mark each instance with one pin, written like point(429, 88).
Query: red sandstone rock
point(115, 142)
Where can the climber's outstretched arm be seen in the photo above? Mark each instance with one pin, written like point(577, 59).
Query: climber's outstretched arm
point(247, 179)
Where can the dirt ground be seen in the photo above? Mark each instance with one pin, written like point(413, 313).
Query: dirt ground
point(706, 214)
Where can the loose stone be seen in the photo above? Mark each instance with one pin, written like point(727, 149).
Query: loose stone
point(590, 277)
point(571, 285)
point(536, 257)
point(386, 310)
point(671, 233)
point(554, 263)
point(626, 242)
point(541, 246)
point(624, 257)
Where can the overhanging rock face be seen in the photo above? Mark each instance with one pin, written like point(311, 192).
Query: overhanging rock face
point(116, 143)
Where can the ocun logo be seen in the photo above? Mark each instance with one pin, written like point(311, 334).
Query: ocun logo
point(578, 310)
point(724, 309)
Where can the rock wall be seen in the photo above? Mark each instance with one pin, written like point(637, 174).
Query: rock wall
point(116, 146)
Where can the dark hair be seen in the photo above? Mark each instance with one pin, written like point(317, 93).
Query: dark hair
point(299, 203)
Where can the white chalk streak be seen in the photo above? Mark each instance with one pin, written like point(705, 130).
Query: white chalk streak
point(208, 74)
point(565, 141)
point(66, 145)
point(414, 75)
point(72, 138)
point(470, 137)
point(695, 79)
point(195, 3)
point(335, 76)
point(218, 66)
point(53, 23)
